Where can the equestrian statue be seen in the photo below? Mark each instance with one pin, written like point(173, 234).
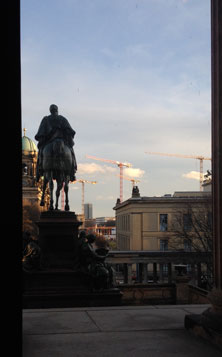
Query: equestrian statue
point(56, 157)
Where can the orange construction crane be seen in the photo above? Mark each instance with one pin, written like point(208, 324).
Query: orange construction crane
point(130, 179)
point(201, 158)
point(83, 191)
point(120, 165)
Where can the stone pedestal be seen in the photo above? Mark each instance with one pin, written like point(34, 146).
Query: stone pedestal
point(58, 234)
point(59, 281)
point(64, 288)
point(182, 289)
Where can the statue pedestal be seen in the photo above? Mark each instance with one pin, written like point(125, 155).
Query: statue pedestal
point(59, 282)
point(64, 288)
point(58, 234)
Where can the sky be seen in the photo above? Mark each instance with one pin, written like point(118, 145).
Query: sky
point(131, 76)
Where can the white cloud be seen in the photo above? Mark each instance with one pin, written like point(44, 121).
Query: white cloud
point(90, 168)
point(134, 173)
point(110, 169)
point(193, 175)
point(104, 198)
point(74, 187)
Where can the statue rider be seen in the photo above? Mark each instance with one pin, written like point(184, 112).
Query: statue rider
point(51, 127)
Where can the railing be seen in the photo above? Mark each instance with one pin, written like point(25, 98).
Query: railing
point(158, 266)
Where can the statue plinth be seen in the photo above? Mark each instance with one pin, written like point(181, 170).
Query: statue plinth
point(58, 234)
point(60, 282)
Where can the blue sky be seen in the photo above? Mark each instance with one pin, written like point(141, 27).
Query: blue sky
point(130, 76)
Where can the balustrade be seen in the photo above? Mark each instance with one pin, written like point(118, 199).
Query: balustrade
point(157, 266)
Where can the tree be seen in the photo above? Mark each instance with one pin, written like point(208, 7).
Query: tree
point(192, 231)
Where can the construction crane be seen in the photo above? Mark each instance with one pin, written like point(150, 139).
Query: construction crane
point(201, 158)
point(130, 179)
point(120, 165)
point(83, 191)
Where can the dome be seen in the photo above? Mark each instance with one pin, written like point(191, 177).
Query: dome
point(28, 144)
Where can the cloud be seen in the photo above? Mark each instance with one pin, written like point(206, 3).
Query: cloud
point(104, 198)
point(73, 187)
point(193, 175)
point(110, 169)
point(134, 173)
point(90, 168)
point(95, 168)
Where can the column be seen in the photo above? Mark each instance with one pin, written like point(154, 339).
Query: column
point(155, 272)
point(216, 134)
point(198, 274)
point(169, 273)
point(145, 275)
point(161, 272)
point(193, 274)
point(125, 273)
point(129, 266)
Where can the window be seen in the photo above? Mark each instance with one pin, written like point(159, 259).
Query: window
point(187, 245)
point(163, 222)
point(163, 245)
point(187, 222)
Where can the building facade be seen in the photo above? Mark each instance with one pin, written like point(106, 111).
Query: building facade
point(88, 210)
point(31, 190)
point(148, 223)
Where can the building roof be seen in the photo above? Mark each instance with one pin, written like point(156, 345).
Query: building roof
point(182, 196)
point(28, 144)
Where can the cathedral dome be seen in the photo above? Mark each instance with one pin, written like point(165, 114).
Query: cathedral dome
point(28, 144)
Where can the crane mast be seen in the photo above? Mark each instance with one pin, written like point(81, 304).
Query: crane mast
point(119, 164)
point(83, 191)
point(130, 179)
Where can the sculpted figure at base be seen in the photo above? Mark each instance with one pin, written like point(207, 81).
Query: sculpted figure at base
point(93, 252)
point(56, 157)
point(31, 253)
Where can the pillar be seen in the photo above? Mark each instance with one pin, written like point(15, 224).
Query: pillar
point(169, 273)
point(216, 73)
point(145, 275)
point(155, 272)
point(129, 273)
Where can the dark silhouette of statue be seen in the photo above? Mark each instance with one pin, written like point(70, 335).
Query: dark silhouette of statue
point(92, 261)
point(31, 253)
point(56, 158)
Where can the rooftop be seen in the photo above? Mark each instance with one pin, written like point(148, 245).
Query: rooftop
point(154, 331)
point(28, 145)
point(178, 196)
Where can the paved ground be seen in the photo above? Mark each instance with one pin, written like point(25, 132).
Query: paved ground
point(151, 331)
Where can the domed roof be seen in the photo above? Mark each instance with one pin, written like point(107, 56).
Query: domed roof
point(28, 144)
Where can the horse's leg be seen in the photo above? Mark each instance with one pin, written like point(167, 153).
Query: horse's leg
point(51, 186)
point(59, 187)
point(66, 189)
point(42, 203)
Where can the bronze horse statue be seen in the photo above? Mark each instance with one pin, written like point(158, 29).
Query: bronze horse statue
point(56, 158)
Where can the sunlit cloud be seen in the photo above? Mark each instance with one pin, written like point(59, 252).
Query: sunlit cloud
point(73, 187)
point(93, 168)
point(134, 173)
point(193, 175)
point(90, 168)
point(104, 198)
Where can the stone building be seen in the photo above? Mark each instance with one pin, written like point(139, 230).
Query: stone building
point(147, 223)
